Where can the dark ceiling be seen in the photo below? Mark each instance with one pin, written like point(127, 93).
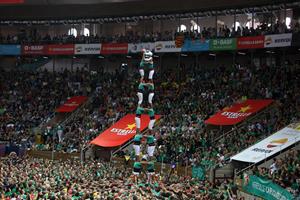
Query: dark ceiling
point(74, 9)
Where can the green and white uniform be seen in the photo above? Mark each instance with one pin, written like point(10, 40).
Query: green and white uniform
point(150, 167)
point(151, 145)
point(137, 144)
point(145, 90)
point(137, 168)
point(147, 64)
point(139, 112)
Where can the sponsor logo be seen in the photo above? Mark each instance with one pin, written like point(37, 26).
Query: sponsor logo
point(275, 143)
point(73, 103)
point(241, 113)
point(127, 130)
point(283, 40)
point(268, 40)
point(159, 46)
point(34, 48)
point(78, 49)
point(251, 42)
point(262, 150)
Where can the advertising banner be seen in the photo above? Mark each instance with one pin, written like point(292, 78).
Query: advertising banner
point(278, 40)
point(34, 49)
point(166, 46)
point(87, 49)
point(71, 104)
point(222, 44)
point(254, 42)
point(238, 112)
point(114, 48)
point(11, 1)
point(195, 45)
point(265, 188)
point(269, 146)
point(60, 49)
point(10, 50)
point(121, 132)
point(137, 47)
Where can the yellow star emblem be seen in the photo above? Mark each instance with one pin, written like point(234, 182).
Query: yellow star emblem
point(245, 109)
point(130, 126)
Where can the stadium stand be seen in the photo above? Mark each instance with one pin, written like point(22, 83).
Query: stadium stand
point(46, 150)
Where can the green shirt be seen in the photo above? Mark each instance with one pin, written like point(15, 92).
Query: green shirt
point(137, 138)
point(150, 166)
point(150, 139)
point(142, 86)
point(141, 110)
point(137, 165)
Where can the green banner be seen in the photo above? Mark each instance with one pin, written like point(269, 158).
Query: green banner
point(198, 172)
point(222, 44)
point(264, 188)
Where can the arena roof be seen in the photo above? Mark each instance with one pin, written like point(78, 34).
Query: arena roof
point(73, 9)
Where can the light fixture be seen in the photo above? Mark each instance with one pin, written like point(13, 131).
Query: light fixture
point(212, 54)
point(128, 56)
point(241, 53)
point(183, 55)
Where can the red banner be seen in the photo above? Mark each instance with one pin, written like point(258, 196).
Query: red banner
point(121, 132)
point(11, 1)
point(113, 48)
point(255, 42)
point(62, 49)
point(71, 104)
point(34, 49)
point(238, 112)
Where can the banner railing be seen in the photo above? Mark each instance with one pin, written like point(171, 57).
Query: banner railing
point(235, 127)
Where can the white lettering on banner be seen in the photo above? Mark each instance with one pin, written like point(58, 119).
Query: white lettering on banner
point(268, 190)
point(234, 115)
point(271, 145)
point(122, 131)
point(253, 42)
point(34, 48)
point(86, 49)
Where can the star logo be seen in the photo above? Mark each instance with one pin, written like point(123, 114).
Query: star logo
point(130, 126)
point(245, 109)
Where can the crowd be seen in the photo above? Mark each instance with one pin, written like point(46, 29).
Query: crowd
point(182, 136)
point(185, 101)
point(29, 178)
point(137, 37)
point(284, 171)
point(29, 98)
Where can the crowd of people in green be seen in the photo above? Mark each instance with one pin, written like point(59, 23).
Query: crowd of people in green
point(31, 178)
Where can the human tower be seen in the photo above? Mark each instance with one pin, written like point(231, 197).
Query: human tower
point(145, 95)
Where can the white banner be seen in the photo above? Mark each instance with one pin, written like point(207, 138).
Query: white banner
point(166, 46)
point(278, 40)
point(137, 47)
point(269, 146)
point(86, 49)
